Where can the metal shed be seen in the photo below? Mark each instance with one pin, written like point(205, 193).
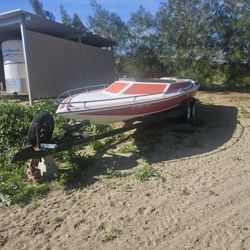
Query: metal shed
point(57, 57)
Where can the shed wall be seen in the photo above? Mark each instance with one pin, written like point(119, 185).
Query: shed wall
point(57, 65)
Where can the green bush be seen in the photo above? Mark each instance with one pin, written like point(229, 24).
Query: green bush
point(14, 123)
point(15, 120)
point(144, 172)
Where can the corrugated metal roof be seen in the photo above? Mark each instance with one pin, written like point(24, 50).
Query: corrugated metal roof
point(10, 28)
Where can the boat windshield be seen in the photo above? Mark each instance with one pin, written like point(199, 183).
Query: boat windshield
point(178, 85)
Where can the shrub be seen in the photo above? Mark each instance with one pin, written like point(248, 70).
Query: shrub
point(14, 123)
point(144, 173)
point(15, 120)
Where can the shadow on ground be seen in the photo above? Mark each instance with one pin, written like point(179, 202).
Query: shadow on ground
point(213, 126)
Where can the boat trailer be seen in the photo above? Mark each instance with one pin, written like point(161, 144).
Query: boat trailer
point(42, 148)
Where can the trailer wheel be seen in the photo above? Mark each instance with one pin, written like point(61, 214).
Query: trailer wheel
point(44, 122)
point(193, 109)
point(189, 111)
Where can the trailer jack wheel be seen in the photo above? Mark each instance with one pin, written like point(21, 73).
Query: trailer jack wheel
point(41, 128)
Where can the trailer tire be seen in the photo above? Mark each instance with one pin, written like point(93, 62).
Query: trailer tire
point(193, 109)
point(45, 123)
point(189, 111)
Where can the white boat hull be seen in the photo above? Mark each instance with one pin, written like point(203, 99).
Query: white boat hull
point(107, 111)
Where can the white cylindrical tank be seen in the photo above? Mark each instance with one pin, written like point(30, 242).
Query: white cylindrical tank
point(14, 66)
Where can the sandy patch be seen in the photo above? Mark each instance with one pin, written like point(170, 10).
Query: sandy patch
point(203, 202)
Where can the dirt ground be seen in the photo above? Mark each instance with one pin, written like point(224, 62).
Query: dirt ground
point(199, 197)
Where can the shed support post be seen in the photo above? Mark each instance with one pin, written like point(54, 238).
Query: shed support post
point(26, 57)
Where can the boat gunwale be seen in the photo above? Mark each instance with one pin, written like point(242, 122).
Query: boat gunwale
point(127, 97)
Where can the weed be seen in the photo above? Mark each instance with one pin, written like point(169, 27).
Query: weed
point(13, 187)
point(99, 145)
point(76, 166)
point(128, 148)
point(113, 234)
point(5, 199)
point(243, 112)
point(98, 128)
point(113, 173)
point(57, 220)
point(117, 137)
point(104, 144)
point(236, 158)
point(144, 173)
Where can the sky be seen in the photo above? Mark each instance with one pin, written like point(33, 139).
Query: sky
point(82, 7)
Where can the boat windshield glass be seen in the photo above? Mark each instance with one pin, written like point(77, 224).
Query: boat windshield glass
point(178, 85)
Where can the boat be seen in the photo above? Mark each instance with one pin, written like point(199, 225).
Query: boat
point(125, 100)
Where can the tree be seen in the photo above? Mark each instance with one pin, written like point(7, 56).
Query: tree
point(37, 7)
point(142, 29)
point(77, 23)
point(188, 38)
point(73, 22)
point(143, 63)
point(109, 25)
point(66, 19)
point(142, 55)
point(234, 40)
